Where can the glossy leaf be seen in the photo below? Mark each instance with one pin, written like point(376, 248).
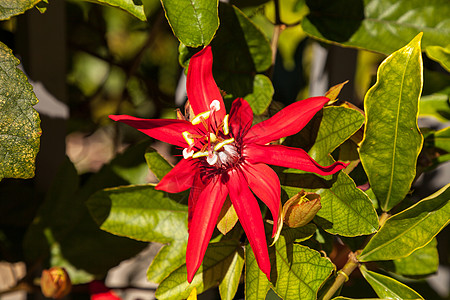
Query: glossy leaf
point(261, 95)
point(435, 105)
point(142, 213)
point(423, 261)
point(19, 122)
point(256, 283)
point(346, 210)
point(136, 8)
point(378, 25)
point(230, 282)
point(216, 263)
point(410, 229)
point(300, 270)
point(392, 140)
point(12, 8)
point(195, 22)
point(442, 139)
point(440, 54)
point(387, 287)
point(157, 164)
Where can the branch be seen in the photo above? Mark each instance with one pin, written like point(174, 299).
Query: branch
point(342, 275)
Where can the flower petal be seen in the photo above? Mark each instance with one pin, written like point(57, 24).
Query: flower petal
point(166, 130)
point(288, 157)
point(241, 117)
point(204, 220)
point(287, 121)
point(197, 187)
point(200, 86)
point(264, 182)
point(180, 178)
point(249, 214)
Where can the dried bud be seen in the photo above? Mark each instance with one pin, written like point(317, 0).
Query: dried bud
point(55, 283)
point(301, 209)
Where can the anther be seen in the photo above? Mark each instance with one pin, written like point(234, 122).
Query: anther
point(198, 118)
point(187, 137)
point(200, 154)
point(226, 129)
point(223, 143)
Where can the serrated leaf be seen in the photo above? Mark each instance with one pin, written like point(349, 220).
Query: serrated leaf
point(440, 54)
point(194, 22)
point(435, 105)
point(378, 25)
point(142, 213)
point(218, 259)
point(134, 7)
point(261, 95)
point(157, 164)
point(19, 122)
point(410, 229)
point(387, 287)
point(256, 282)
point(392, 140)
point(230, 282)
point(300, 270)
point(10, 8)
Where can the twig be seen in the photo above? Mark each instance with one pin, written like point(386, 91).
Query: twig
point(342, 275)
point(279, 26)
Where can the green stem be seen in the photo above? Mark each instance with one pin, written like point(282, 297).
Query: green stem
point(342, 275)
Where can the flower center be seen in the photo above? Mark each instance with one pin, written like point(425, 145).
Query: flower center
point(213, 142)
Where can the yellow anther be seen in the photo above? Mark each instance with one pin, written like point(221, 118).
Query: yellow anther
point(198, 118)
point(226, 129)
point(186, 137)
point(212, 137)
point(200, 154)
point(223, 143)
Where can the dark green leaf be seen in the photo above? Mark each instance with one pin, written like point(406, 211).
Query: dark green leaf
point(378, 25)
point(134, 7)
point(19, 122)
point(442, 139)
point(410, 229)
point(261, 95)
point(159, 166)
point(435, 105)
point(387, 287)
point(10, 8)
point(440, 54)
point(216, 263)
point(392, 140)
point(194, 22)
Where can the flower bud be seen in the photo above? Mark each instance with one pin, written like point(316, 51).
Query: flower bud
point(55, 283)
point(301, 209)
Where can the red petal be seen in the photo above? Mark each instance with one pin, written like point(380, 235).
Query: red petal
point(241, 117)
point(200, 86)
point(249, 214)
point(166, 130)
point(264, 182)
point(207, 209)
point(180, 178)
point(287, 121)
point(197, 188)
point(288, 157)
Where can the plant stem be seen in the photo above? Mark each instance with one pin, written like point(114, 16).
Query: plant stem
point(384, 216)
point(343, 275)
point(279, 26)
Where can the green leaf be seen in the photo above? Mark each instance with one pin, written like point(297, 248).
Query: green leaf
point(194, 22)
point(256, 282)
point(19, 122)
point(387, 287)
point(261, 95)
point(378, 25)
point(392, 140)
point(300, 271)
point(230, 282)
point(134, 7)
point(159, 166)
point(216, 263)
point(12, 8)
point(442, 139)
point(410, 229)
point(435, 105)
point(440, 54)
point(142, 213)
point(240, 50)
point(346, 210)
point(423, 261)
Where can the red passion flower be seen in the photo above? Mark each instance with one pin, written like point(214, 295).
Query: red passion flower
point(224, 155)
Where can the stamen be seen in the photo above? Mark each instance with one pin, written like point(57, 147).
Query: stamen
point(226, 129)
point(200, 154)
point(215, 105)
point(223, 143)
point(187, 153)
point(212, 159)
point(212, 137)
point(187, 137)
point(198, 118)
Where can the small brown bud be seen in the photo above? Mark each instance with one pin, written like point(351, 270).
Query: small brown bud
point(55, 283)
point(301, 209)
